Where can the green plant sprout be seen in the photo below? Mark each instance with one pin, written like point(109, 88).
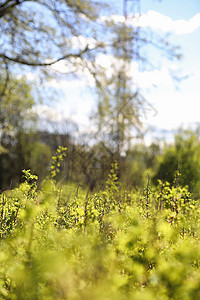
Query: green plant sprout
point(56, 161)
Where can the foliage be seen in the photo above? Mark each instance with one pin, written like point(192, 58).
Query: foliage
point(16, 104)
point(17, 124)
point(57, 159)
point(40, 158)
point(46, 33)
point(182, 156)
point(140, 159)
point(88, 165)
point(59, 242)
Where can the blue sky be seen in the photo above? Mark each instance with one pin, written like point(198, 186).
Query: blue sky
point(176, 9)
point(175, 107)
point(180, 107)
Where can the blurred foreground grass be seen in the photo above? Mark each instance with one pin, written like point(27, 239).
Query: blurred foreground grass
point(60, 242)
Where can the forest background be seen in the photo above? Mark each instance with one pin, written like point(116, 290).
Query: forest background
point(104, 48)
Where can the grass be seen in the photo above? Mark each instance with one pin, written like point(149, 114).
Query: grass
point(60, 242)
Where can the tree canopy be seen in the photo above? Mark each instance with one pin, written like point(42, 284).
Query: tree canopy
point(42, 33)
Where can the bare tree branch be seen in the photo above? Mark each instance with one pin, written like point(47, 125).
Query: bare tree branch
point(8, 5)
point(45, 64)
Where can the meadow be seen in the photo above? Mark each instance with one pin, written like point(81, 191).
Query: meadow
point(59, 241)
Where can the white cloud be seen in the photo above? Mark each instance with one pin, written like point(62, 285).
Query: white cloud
point(183, 27)
point(174, 109)
point(159, 21)
point(156, 20)
point(80, 42)
point(48, 113)
point(66, 84)
point(143, 79)
point(147, 79)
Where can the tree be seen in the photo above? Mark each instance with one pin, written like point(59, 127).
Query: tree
point(45, 36)
point(182, 156)
point(15, 106)
point(41, 33)
point(121, 100)
point(40, 159)
point(17, 121)
point(139, 163)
